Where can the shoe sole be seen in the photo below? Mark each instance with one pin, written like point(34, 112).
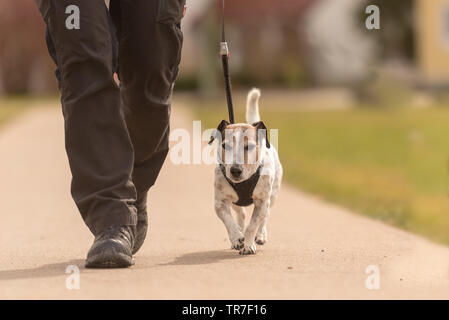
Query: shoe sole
point(109, 259)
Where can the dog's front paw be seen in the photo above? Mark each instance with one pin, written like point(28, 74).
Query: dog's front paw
point(248, 249)
point(237, 243)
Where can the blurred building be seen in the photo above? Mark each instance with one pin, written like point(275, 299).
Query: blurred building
point(277, 43)
point(432, 40)
point(284, 43)
point(264, 37)
point(340, 52)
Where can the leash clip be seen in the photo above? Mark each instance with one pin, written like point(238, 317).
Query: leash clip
point(224, 50)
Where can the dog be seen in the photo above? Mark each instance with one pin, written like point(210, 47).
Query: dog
point(248, 171)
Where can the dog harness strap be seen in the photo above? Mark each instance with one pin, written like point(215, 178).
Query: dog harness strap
point(245, 188)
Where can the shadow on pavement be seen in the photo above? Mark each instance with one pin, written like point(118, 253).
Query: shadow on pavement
point(44, 271)
point(204, 257)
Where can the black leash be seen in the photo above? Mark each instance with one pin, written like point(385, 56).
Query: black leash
point(224, 52)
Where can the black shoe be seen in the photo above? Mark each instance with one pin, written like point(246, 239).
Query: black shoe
point(112, 248)
point(142, 222)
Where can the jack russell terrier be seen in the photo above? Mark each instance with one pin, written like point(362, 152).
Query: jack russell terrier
point(248, 172)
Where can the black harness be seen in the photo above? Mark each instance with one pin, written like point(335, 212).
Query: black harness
point(245, 188)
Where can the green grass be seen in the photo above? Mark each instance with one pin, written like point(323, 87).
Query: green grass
point(11, 107)
point(390, 164)
point(7, 111)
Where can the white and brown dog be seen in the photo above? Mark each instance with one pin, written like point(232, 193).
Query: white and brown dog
point(248, 172)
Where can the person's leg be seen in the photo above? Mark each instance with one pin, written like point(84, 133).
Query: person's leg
point(97, 141)
point(149, 54)
point(150, 43)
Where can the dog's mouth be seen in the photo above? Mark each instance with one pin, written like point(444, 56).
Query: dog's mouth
point(234, 179)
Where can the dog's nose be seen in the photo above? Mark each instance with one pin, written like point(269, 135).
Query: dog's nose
point(236, 172)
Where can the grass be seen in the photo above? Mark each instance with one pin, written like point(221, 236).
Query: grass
point(390, 164)
point(8, 110)
point(11, 107)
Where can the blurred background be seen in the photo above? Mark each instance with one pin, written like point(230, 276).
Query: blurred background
point(363, 115)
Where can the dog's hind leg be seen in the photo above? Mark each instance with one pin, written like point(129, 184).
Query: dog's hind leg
point(240, 215)
point(223, 210)
point(261, 236)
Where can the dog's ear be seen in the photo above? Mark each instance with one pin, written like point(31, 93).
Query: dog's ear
point(220, 130)
point(264, 133)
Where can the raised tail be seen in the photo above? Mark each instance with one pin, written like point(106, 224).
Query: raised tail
point(252, 106)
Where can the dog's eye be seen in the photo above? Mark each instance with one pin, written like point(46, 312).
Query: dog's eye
point(226, 146)
point(249, 147)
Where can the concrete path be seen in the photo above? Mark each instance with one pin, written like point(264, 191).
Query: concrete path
point(315, 249)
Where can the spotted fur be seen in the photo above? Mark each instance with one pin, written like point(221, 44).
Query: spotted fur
point(265, 192)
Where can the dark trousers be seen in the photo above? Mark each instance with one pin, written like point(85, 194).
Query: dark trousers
point(116, 137)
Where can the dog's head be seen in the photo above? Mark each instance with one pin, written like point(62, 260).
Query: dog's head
point(241, 148)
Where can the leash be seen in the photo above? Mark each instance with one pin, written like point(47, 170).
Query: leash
point(225, 55)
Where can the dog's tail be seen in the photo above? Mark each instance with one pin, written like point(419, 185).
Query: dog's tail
point(252, 106)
